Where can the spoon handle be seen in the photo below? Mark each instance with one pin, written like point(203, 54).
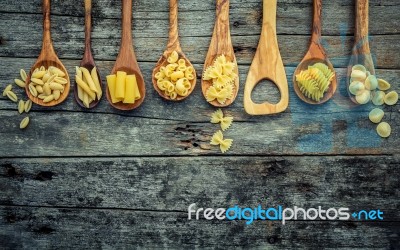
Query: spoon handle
point(361, 27)
point(317, 26)
point(173, 42)
point(126, 42)
point(47, 45)
point(88, 27)
point(221, 29)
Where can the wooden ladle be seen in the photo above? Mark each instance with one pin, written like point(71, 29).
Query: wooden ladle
point(88, 61)
point(315, 54)
point(173, 45)
point(221, 44)
point(126, 60)
point(47, 58)
point(361, 53)
point(267, 64)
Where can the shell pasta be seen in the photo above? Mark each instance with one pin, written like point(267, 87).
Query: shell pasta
point(176, 78)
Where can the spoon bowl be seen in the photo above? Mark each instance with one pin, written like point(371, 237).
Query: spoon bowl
point(141, 86)
point(315, 54)
point(47, 58)
point(162, 63)
point(126, 60)
point(173, 45)
point(303, 66)
point(88, 60)
point(221, 44)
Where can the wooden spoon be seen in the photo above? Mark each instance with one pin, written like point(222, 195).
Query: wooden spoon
point(221, 44)
point(316, 54)
point(126, 60)
point(88, 61)
point(47, 58)
point(361, 53)
point(173, 45)
point(267, 64)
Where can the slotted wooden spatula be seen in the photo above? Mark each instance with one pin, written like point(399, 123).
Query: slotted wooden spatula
point(267, 64)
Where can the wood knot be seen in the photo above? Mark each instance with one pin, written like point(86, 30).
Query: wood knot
point(272, 240)
point(236, 24)
point(44, 230)
point(44, 176)
point(11, 171)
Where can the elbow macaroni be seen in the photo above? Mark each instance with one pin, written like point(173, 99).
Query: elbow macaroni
point(175, 79)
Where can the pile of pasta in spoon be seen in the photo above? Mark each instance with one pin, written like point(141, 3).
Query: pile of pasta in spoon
point(223, 77)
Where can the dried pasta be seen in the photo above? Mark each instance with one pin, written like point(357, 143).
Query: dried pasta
point(315, 81)
point(218, 139)
point(47, 84)
point(176, 78)
point(218, 117)
point(222, 76)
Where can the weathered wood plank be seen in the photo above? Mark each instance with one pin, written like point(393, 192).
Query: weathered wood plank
point(294, 15)
point(44, 228)
point(68, 42)
point(172, 184)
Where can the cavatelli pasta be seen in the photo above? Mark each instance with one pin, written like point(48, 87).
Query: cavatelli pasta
point(315, 81)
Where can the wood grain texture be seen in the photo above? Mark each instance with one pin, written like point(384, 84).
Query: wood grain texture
point(144, 201)
point(267, 65)
point(126, 60)
point(105, 178)
point(47, 58)
point(93, 229)
point(173, 183)
point(221, 44)
point(316, 54)
point(173, 45)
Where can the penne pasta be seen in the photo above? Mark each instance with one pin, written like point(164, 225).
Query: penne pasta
point(85, 87)
point(89, 79)
point(96, 81)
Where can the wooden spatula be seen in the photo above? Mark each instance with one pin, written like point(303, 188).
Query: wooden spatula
point(267, 64)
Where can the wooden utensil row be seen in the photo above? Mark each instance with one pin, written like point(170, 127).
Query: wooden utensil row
point(267, 63)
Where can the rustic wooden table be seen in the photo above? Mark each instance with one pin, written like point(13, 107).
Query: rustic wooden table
point(104, 178)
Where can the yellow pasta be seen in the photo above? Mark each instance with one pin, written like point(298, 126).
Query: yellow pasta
point(173, 58)
point(218, 139)
point(222, 76)
point(96, 81)
point(218, 117)
point(175, 78)
point(111, 83)
point(130, 82)
point(85, 87)
point(89, 79)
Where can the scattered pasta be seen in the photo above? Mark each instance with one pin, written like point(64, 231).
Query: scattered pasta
point(218, 117)
point(222, 75)
point(176, 78)
point(315, 81)
point(218, 139)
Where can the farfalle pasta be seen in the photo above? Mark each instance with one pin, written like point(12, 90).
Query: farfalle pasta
point(315, 81)
point(222, 76)
point(176, 78)
point(218, 117)
point(218, 139)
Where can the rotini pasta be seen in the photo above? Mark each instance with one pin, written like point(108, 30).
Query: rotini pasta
point(218, 139)
point(222, 75)
point(175, 79)
point(315, 81)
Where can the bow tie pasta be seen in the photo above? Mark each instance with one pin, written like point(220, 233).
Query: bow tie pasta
point(222, 76)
